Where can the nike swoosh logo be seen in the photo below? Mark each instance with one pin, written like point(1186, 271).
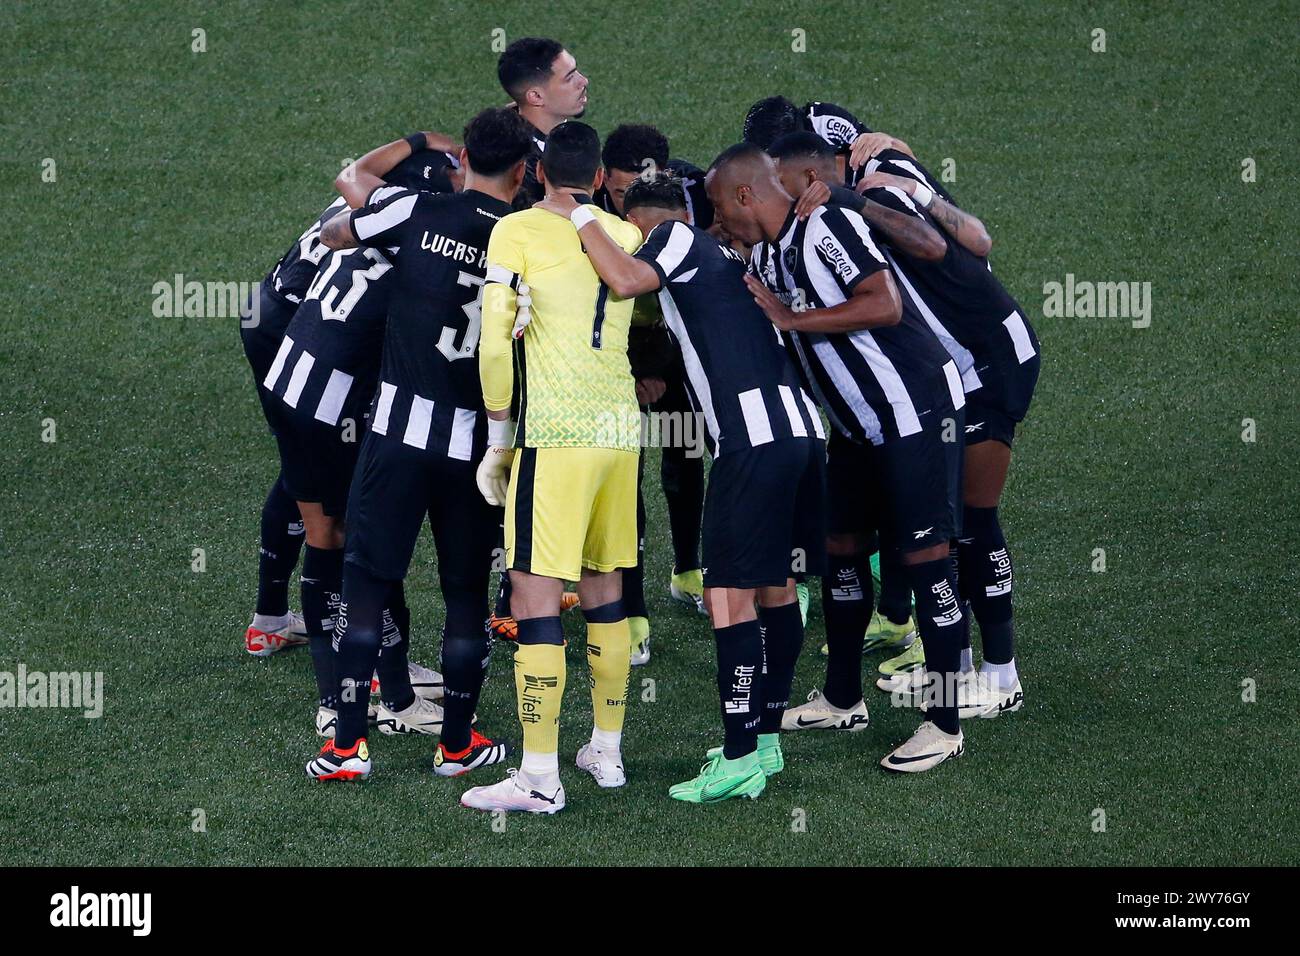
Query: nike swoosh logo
point(893, 759)
point(808, 723)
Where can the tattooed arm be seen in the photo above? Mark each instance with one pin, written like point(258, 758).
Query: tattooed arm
point(962, 226)
point(909, 234)
point(337, 233)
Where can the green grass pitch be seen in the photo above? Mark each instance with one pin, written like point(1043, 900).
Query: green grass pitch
point(1122, 165)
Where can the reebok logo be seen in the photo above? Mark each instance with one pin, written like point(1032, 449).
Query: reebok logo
point(918, 535)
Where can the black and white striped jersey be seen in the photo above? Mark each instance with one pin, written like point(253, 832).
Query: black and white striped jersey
point(738, 374)
point(328, 360)
point(834, 124)
point(898, 163)
point(980, 324)
point(698, 207)
point(291, 276)
point(875, 384)
point(429, 393)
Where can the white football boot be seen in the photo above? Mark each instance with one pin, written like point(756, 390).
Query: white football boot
point(327, 721)
point(1006, 701)
point(927, 747)
point(819, 714)
point(422, 717)
point(425, 681)
point(516, 792)
point(605, 765)
point(275, 635)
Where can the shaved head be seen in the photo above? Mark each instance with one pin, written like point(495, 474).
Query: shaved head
point(748, 198)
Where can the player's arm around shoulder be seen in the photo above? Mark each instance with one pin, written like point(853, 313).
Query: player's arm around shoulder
point(505, 268)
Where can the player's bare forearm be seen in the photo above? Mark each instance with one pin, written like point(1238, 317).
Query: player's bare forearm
point(626, 276)
point(360, 178)
point(874, 304)
point(338, 234)
point(906, 233)
point(962, 226)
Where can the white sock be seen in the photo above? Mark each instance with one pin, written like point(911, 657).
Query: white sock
point(967, 661)
point(608, 741)
point(1005, 673)
point(270, 622)
point(542, 769)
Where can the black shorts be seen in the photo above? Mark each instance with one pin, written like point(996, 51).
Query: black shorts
point(907, 490)
point(394, 488)
point(764, 515)
point(316, 458)
point(262, 341)
point(984, 423)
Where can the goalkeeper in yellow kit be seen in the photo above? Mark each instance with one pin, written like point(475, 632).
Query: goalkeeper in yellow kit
point(566, 470)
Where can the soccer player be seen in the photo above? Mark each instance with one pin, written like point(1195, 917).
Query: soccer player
point(571, 498)
point(543, 79)
point(763, 511)
point(426, 431)
point(262, 329)
point(324, 376)
point(630, 153)
point(891, 393)
point(986, 331)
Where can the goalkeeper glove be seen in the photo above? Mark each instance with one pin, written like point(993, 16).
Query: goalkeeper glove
point(493, 475)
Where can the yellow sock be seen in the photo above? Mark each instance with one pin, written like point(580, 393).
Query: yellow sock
point(539, 688)
point(609, 648)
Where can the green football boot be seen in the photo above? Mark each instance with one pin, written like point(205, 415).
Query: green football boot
point(895, 673)
point(884, 635)
point(770, 757)
point(720, 779)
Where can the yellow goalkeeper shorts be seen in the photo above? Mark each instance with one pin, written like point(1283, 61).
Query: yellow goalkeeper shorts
point(571, 508)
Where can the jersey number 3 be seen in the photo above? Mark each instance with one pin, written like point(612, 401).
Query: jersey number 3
point(474, 310)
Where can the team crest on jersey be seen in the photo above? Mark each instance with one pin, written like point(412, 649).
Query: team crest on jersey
point(790, 257)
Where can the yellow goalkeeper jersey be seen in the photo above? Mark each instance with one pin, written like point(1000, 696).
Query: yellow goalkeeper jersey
point(575, 384)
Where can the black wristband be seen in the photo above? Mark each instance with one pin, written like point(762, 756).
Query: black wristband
point(417, 142)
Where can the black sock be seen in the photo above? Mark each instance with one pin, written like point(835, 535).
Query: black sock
point(322, 584)
point(846, 607)
point(502, 608)
point(895, 587)
point(683, 483)
point(986, 573)
point(740, 679)
point(357, 635)
point(394, 676)
point(940, 620)
point(782, 631)
point(282, 539)
point(465, 653)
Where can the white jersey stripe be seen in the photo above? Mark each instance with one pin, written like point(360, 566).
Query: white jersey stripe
point(675, 249)
point(336, 393)
point(690, 359)
point(954, 385)
point(417, 425)
point(757, 424)
point(461, 446)
point(371, 224)
point(1015, 326)
point(273, 376)
point(383, 408)
point(301, 369)
point(812, 413)
point(797, 428)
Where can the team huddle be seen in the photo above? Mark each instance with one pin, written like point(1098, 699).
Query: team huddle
point(472, 335)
